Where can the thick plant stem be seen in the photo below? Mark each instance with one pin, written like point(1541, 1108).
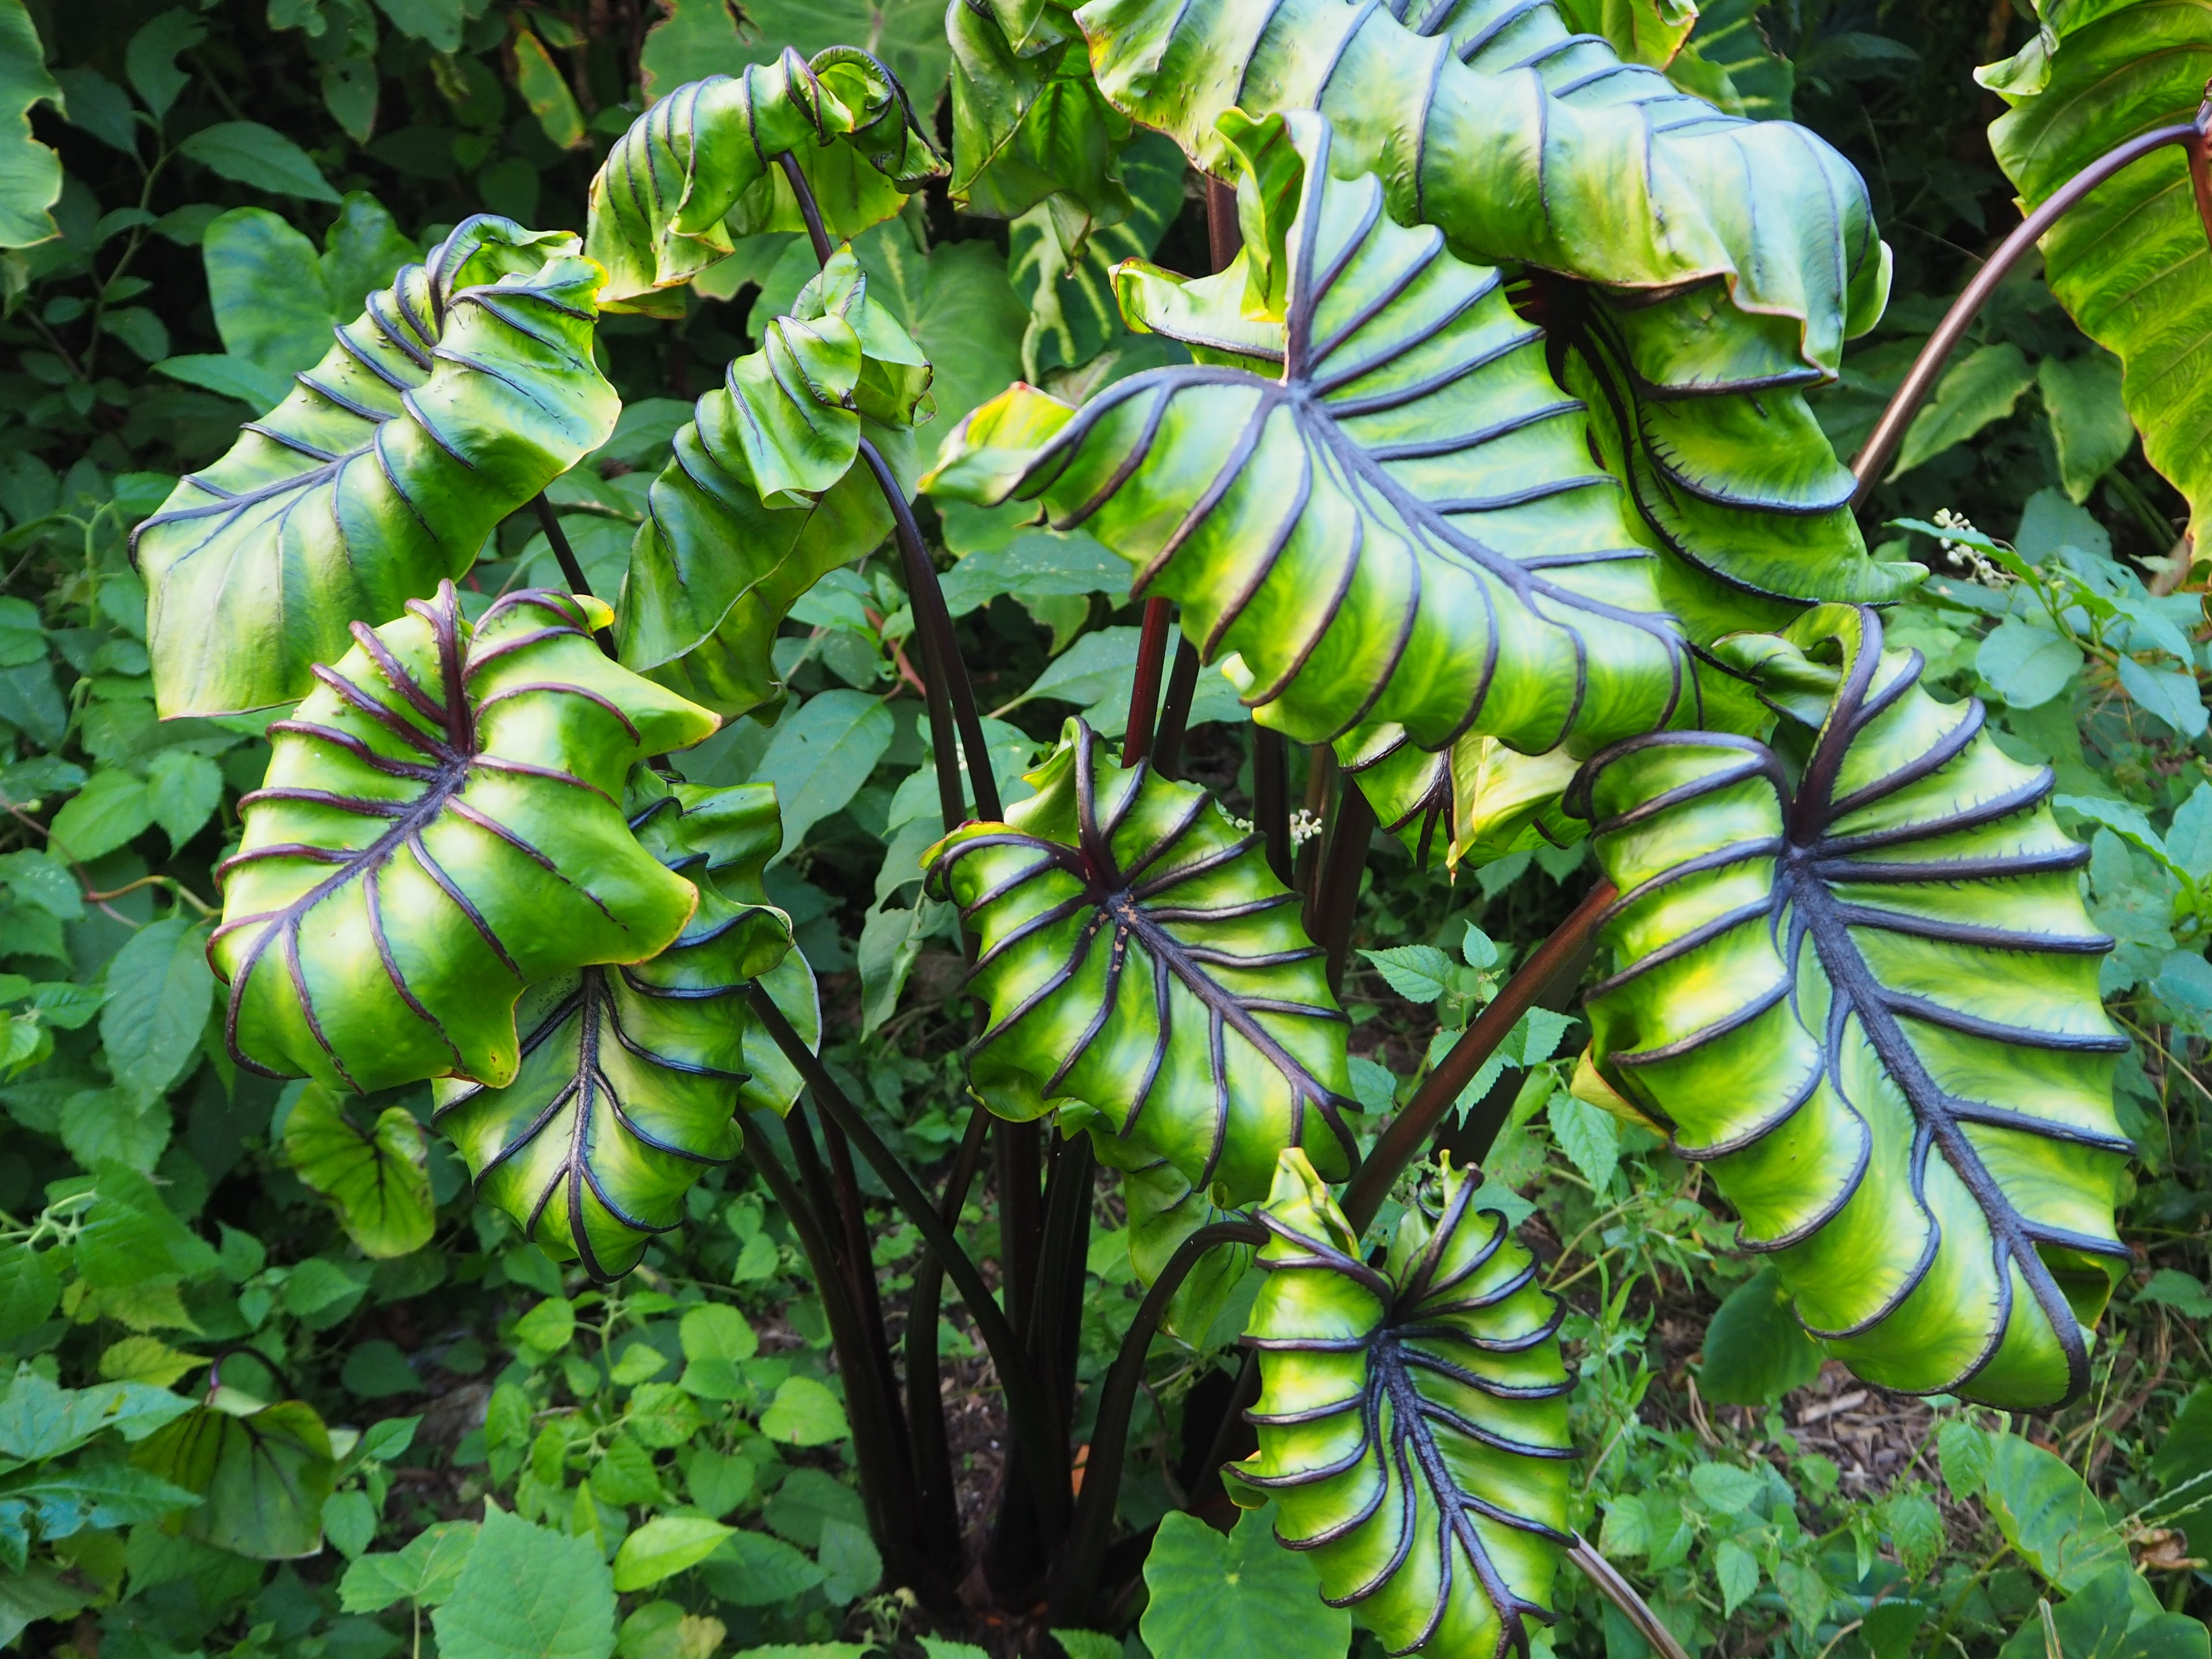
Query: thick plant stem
point(1409, 1131)
point(1144, 693)
point(2194, 135)
point(886, 1486)
point(817, 236)
point(1175, 710)
point(935, 622)
point(1335, 902)
point(934, 1498)
point(1622, 1593)
point(572, 571)
point(1026, 1408)
point(1271, 798)
point(1075, 1579)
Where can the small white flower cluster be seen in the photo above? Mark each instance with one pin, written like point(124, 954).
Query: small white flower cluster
point(1959, 556)
point(1304, 826)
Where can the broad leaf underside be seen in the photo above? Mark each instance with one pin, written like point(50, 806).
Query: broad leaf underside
point(1412, 1420)
point(1868, 1000)
point(631, 1076)
point(441, 826)
point(698, 170)
point(1404, 527)
point(1138, 957)
point(2131, 262)
point(459, 393)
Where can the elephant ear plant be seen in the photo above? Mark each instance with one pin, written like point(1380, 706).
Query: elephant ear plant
point(1481, 462)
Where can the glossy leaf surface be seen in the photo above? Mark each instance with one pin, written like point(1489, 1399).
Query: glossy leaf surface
point(698, 170)
point(1868, 999)
point(1402, 524)
point(1138, 955)
point(460, 392)
point(630, 1075)
point(762, 496)
point(1523, 141)
point(2131, 261)
point(441, 826)
point(1412, 1418)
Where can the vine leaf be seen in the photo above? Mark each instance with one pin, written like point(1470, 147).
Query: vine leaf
point(378, 1179)
point(1138, 957)
point(1342, 526)
point(262, 1473)
point(1412, 1418)
point(762, 497)
point(1869, 1001)
point(629, 1074)
point(461, 392)
point(698, 170)
point(2127, 262)
point(441, 826)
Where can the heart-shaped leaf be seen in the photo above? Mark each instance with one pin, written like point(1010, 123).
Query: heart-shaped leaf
point(630, 1075)
point(1138, 956)
point(1412, 1418)
point(441, 826)
point(378, 1178)
point(1403, 524)
point(698, 170)
point(1868, 1001)
point(262, 1473)
point(763, 497)
point(459, 393)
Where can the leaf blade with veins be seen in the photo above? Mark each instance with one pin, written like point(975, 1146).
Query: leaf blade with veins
point(459, 393)
point(1412, 1420)
point(444, 807)
point(629, 1074)
point(1138, 955)
point(1915, 1117)
point(1405, 525)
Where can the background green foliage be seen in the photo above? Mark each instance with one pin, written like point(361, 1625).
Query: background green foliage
point(406, 1430)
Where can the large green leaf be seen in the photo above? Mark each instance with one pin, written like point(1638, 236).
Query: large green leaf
point(377, 1177)
point(459, 393)
point(1138, 956)
point(1402, 524)
point(1702, 269)
point(1067, 284)
point(440, 826)
point(762, 496)
point(1412, 1418)
point(631, 1074)
point(2130, 262)
point(698, 170)
point(1868, 999)
point(262, 1473)
point(1525, 142)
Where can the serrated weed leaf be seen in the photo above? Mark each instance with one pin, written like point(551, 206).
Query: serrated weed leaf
point(1330, 525)
point(527, 1593)
point(623, 1099)
point(460, 392)
point(1138, 955)
point(1868, 1001)
point(441, 826)
point(1412, 1418)
point(699, 169)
